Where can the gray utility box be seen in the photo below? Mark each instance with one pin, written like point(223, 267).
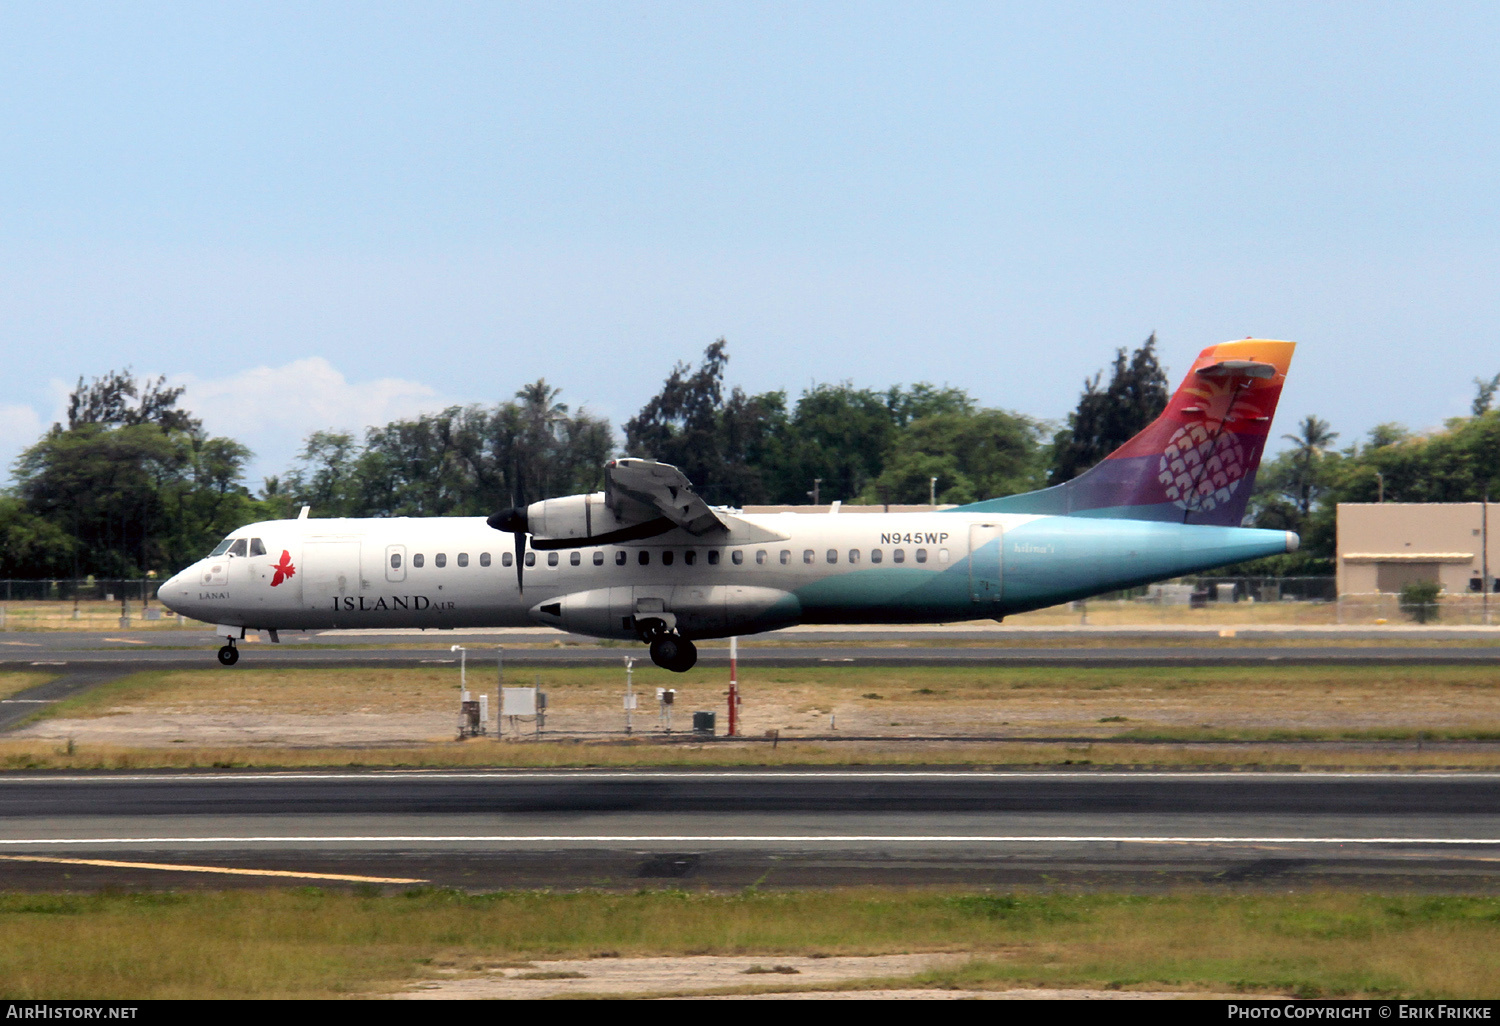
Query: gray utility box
point(703, 723)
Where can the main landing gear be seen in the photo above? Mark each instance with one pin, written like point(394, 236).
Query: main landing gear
point(673, 652)
point(229, 655)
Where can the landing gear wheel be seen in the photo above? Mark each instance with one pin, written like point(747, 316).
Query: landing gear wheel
point(674, 653)
point(229, 655)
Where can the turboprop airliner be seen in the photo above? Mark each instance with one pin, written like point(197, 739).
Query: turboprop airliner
point(648, 560)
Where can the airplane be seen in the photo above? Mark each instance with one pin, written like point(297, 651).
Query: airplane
point(648, 560)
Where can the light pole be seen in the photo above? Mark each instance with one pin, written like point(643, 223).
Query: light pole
point(629, 693)
point(1484, 555)
point(814, 493)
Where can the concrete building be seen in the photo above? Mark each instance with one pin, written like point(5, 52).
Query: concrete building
point(1384, 546)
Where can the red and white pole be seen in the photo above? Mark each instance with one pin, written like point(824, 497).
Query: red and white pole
point(734, 687)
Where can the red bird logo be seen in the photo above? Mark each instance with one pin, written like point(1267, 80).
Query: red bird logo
point(284, 569)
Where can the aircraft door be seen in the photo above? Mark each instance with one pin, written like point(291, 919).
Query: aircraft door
point(331, 574)
point(985, 546)
point(395, 563)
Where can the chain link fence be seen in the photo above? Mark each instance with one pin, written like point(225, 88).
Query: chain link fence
point(98, 603)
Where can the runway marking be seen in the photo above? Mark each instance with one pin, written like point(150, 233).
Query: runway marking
point(768, 776)
point(728, 838)
point(27, 701)
point(126, 641)
point(169, 867)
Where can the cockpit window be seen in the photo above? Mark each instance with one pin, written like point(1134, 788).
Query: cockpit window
point(222, 547)
point(238, 548)
point(257, 547)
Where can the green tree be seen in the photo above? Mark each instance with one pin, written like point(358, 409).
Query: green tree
point(733, 450)
point(32, 546)
point(1484, 395)
point(1107, 418)
point(133, 482)
point(974, 455)
point(1313, 437)
point(463, 461)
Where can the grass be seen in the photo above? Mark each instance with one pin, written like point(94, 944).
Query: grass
point(314, 943)
point(1266, 716)
point(12, 683)
point(480, 754)
point(415, 690)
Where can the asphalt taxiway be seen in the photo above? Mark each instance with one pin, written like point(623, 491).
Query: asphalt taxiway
point(489, 829)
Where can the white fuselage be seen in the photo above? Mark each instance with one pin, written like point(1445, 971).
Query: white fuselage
point(445, 572)
point(756, 573)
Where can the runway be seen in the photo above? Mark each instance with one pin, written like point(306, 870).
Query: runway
point(160, 650)
point(488, 829)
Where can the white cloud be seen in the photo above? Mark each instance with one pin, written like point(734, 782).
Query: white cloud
point(272, 409)
point(20, 427)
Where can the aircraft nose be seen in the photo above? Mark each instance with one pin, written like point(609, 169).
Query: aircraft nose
point(173, 591)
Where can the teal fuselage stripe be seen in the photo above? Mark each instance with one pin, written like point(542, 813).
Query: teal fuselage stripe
point(1041, 563)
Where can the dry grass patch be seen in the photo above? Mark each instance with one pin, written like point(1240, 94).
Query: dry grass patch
point(310, 943)
point(11, 683)
point(35, 754)
point(400, 716)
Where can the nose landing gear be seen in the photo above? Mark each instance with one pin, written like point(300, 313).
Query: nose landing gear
point(229, 655)
point(673, 652)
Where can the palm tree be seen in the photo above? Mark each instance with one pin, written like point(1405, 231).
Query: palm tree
point(1314, 436)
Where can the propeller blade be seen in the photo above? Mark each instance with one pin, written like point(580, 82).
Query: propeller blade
point(520, 561)
point(513, 520)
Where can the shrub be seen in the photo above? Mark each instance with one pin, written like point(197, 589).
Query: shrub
point(1419, 600)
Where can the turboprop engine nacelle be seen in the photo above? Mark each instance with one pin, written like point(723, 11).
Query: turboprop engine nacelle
point(574, 518)
point(697, 611)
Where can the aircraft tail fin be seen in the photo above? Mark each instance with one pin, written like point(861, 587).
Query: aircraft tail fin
point(1194, 464)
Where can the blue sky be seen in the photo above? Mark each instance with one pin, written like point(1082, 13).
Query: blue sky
point(327, 215)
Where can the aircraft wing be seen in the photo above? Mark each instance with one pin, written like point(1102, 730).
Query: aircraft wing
point(662, 489)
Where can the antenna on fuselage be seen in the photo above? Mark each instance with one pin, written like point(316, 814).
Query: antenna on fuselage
point(302, 514)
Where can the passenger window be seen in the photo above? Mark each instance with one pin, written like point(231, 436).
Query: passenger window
point(666, 558)
point(876, 556)
point(833, 555)
point(942, 555)
point(257, 547)
point(786, 556)
point(574, 558)
point(644, 558)
point(713, 557)
point(808, 555)
point(620, 557)
point(484, 559)
point(505, 559)
point(738, 556)
point(598, 557)
point(238, 548)
point(760, 556)
point(921, 555)
point(440, 560)
point(854, 555)
point(417, 560)
point(898, 555)
point(463, 559)
point(551, 559)
point(531, 559)
point(690, 556)
point(222, 547)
